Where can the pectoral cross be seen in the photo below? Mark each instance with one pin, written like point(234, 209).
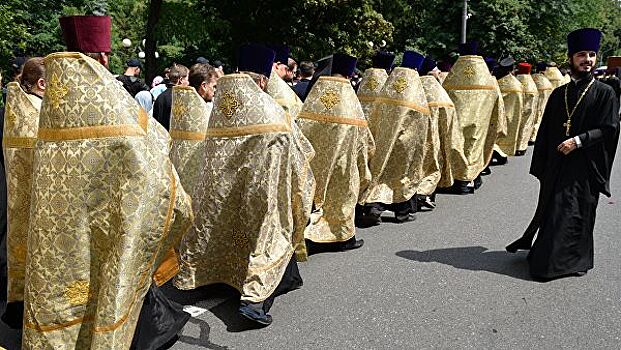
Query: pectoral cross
point(567, 127)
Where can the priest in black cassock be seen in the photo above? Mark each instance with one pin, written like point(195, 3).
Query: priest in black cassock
point(572, 159)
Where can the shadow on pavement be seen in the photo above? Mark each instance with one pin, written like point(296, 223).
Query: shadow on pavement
point(476, 258)
point(203, 338)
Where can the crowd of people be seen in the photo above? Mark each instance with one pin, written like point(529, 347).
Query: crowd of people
point(114, 188)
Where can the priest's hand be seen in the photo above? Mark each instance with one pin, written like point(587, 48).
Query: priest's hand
point(567, 146)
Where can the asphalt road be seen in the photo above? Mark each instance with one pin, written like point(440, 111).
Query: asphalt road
point(443, 281)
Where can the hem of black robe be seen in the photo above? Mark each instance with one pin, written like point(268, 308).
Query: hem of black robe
point(159, 323)
point(545, 277)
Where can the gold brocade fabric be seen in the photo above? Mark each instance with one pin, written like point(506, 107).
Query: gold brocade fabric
point(284, 95)
point(472, 89)
point(248, 223)
point(21, 121)
point(370, 87)
point(545, 89)
point(407, 141)
point(497, 126)
point(333, 121)
point(513, 98)
point(529, 111)
point(451, 154)
point(188, 124)
point(555, 76)
point(106, 208)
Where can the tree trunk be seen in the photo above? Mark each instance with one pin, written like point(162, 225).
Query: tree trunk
point(150, 43)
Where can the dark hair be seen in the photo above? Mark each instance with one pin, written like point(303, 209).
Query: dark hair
point(307, 69)
point(32, 71)
point(177, 71)
point(201, 72)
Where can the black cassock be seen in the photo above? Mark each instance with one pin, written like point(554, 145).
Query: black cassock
point(570, 184)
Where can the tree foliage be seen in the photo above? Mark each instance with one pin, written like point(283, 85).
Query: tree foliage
point(527, 29)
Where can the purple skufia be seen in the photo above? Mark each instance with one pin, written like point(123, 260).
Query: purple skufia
point(412, 60)
point(469, 48)
point(343, 64)
point(584, 39)
point(255, 58)
point(383, 60)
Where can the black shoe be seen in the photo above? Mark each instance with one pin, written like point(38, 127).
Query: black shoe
point(486, 171)
point(459, 187)
point(401, 218)
point(352, 244)
point(580, 273)
point(425, 203)
point(531, 143)
point(522, 243)
point(478, 182)
point(254, 314)
point(520, 153)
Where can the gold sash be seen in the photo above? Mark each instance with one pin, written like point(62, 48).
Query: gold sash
point(247, 227)
point(333, 121)
point(21, 122)
point(545, 89)
point(188, 125)
point(370, 88)
point(284, 95)
point(472, 89)
point(513, 98)
point(529, 112)
point(106, 209)
point(451, 154)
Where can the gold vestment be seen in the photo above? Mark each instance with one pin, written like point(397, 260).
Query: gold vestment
point(555, 76)
point(106, 208)
point(248, 223)
point(333, 121)
point(21, 122)
point(544, 87)
point(472, 89)
point(529, 111)
point(370, 87)
point(451, 156)
point(497, 126)
point(406, 139)
point(442, 76)
point(284, 95)
point(188, 123)
point(513, 98)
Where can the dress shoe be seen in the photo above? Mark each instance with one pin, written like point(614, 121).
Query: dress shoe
point(520, 153)
point(486, 171)
point(522, 243)
point(352, 244)
point(478, 182)
point(255, 313)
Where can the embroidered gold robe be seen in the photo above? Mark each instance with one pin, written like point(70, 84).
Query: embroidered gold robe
point(472, 89)
point(497, 126)
point(451, 154)
point(529, 111)
point(247, 227)
point(21, 122)
point(333, 121)
point(188, 123)
point(513, 98)
point(555, 76)
point(544, 87)
point(406, 140)
point(442, 76)
point(284, 95)
point(370, 87)
point(106, 208)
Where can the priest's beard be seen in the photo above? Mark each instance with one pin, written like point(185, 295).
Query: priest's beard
point(578, 74)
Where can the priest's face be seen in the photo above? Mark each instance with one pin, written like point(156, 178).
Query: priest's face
point(583, 62)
